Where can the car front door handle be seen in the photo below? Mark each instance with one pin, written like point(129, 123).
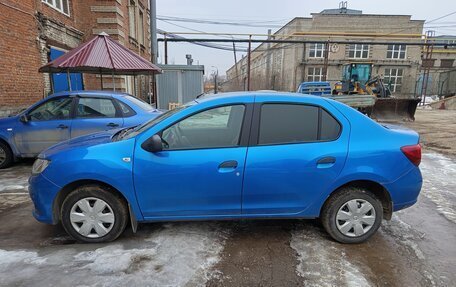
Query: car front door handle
point(62, 126)
point(112, 125)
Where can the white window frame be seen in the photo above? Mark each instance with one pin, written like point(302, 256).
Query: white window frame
point(358, 49)
point(54, 5)
point(140, 32)
point(391, 78)
point(316, 75)
point(318, 50)
point(132, 20)
point(398, 50)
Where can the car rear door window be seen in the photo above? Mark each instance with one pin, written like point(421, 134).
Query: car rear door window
point(96, 108)
point(296, 123)
point(218, 127)
point(287, 123)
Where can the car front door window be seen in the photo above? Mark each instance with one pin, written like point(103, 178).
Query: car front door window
point(214, 128)
point(54, 109)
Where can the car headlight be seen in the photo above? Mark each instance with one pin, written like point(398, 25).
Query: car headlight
point(40, 165)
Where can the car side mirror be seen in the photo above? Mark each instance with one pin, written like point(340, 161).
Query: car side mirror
point(24, 118)
point(153, 144)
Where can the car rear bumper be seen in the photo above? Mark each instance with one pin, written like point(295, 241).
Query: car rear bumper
point(405, 190)
point(42, 192)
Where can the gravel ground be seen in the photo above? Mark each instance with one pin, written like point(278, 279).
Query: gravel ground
point(415, 248)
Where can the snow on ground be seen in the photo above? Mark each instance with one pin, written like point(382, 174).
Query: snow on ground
point(439, 183)
point(322, 262)
point(178, 254)
point(14, 179)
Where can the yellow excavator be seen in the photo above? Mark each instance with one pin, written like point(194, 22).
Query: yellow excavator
point(359, 86)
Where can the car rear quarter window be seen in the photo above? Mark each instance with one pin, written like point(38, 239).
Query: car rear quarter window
point(127, 111)
point(330, 127)
point(296, 123)
point(288, 123)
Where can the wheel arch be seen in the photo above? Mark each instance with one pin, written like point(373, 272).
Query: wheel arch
point(375, 188)
point(67, 189)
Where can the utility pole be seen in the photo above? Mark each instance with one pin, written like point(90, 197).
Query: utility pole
point(215, 79)
point(249, 56)
point(268, 62)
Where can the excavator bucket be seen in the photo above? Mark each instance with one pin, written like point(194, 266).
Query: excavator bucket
point(394, 109)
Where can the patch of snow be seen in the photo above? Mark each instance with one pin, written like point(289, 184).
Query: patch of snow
point(178, 254)
point(14, 179)
point(323, 263)
point(439, 184)
point(404, 233)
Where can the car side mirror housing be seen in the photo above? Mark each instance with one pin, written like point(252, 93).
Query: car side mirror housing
point(24, 118)
point(153, 144)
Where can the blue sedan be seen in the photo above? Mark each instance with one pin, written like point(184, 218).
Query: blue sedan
point(67, 115)
point(232, 156)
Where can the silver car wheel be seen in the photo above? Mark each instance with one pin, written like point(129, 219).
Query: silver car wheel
point(92, 217)
point(2, 155)
point(355, 217)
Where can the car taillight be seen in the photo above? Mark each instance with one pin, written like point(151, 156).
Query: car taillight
point(413, 153)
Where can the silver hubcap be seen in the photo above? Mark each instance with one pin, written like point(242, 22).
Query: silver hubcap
point(355, 217)
point(92, 217)
point(2, 155)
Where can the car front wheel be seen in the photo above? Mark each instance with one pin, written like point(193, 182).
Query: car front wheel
point(6, 156)
point(93, 214)
point(352, 215)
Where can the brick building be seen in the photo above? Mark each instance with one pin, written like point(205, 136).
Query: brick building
point(285, 66)
point(36, 31)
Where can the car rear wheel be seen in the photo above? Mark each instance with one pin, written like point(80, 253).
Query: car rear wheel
point(6, 156)
point(352, 215)
point(94, 214)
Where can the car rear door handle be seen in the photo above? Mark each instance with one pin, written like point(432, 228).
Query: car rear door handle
point(227, 166)
point(62, 126)
point(112, 125)
point(326, 162)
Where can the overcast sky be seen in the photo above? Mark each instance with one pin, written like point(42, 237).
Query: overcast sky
point(273, 12)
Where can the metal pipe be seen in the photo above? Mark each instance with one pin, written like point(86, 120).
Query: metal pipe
point(69, 79)
point(215, 40)
point(153, 31)
point(300, 34)
point(166, 49)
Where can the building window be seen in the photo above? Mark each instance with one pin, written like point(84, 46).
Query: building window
point(141, 27)
point(62, 6)
point(446, 63)
point(358, 51)
point(314, 74)
point(316, 50)
point(396, 52)
point(132, 18)
point(393, 79)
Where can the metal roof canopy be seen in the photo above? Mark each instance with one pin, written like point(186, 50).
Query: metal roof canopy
point(101, 55)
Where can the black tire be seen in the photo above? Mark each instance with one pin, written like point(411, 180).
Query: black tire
point(336, 201)
point(9, 157)
point(115, 202)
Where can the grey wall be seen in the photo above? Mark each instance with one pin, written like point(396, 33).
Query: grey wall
point(179, 84)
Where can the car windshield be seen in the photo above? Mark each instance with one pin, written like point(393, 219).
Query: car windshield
point(139, 129)
point(140, 103)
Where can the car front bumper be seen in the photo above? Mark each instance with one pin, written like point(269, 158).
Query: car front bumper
point(43, 192)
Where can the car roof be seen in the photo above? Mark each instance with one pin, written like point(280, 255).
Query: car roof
point(102, 94)
point(263, 95)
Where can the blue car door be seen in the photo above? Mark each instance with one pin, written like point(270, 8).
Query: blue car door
point(200, 170)
point(95, 114)
point(48, 123)
point(296, 152)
